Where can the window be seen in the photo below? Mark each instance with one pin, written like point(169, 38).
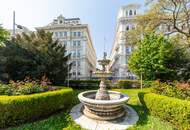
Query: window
point(128, 49)
point(127, 28)
point(78, 63)
point(74, 73)
point(130, 12)
point(74, 63)
point(65, 34)
point(74, 55)
point(135, 12)
point(56, 34)
point(74, 43)
point(78, 53)
point(60, 34)
point(78, 43)
point(126, 13)
point(79, 34)
point(65, 43)
point(60, 21)
point(78, 73)
point(74, 34)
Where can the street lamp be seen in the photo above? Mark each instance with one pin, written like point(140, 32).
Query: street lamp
point(15, 25)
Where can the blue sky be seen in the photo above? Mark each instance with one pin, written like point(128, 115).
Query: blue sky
point(99, 14)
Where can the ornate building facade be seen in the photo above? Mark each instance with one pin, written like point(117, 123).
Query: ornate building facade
point(121, 49)
point(77, 39)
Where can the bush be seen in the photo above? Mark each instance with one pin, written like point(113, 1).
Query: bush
point(173, 110)
point(128, 84)
point(172, 89)
point(25, 87)
point(18, 109)
point(84, 84)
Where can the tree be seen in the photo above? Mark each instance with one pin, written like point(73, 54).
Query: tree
point(175, 13)
point(35, 55)
point(157, 58)
point(4, 35)
point(57, 65)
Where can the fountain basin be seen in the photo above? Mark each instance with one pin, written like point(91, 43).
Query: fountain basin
point(103, 109)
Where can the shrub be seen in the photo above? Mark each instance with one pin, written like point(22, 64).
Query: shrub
point(84, 84)
point(128, 84)
point(171, 109)
point(18, 109)
point(172, 89)
point(25, 87)
point(5, 89)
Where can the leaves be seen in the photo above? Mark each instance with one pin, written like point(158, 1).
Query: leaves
point(156, 57)
point(35, 55)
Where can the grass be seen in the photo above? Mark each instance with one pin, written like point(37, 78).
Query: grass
point(146, 121)
point(62, 120)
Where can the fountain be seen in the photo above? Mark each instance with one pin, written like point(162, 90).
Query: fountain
point(102, 109)
point(103, 104)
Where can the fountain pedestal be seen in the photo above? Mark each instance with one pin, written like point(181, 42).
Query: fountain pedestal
point(102, 93)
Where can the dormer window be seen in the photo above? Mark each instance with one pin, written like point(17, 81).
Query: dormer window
point(130, 12)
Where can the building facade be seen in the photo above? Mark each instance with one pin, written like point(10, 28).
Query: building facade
point(77, 39)
point(121, 49)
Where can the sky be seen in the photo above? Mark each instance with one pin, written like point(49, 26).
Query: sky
point(100, 15)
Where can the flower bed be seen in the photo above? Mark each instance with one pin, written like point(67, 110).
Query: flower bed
point(18, 109)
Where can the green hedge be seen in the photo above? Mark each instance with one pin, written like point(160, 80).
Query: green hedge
point(84, 84)
point(173, 110)
point(128, 84)
point(18, 109)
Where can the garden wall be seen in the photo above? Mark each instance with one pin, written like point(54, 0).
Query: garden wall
point(171, 109)
point(18, 109)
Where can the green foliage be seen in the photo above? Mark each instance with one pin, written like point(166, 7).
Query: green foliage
point(128, 84)
point(34, 55)
point(157, 58)
point(172, 89)
point(170, 109)
point(25, 87)
point(63, 121)
point(60, 121)
point(4, 35)
point(18, 109)
point(84, 84)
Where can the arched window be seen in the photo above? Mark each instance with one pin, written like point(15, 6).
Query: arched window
point(130, 12)
point(135, 12)
point(127, 28)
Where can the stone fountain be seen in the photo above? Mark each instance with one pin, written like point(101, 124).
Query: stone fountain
point(103, 109)
point(103, 104)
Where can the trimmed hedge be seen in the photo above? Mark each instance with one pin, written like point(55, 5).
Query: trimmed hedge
point(18, 109)
point(173, 110)
point(128, 84)
point(84, 84)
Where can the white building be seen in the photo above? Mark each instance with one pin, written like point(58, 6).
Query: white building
point(76, 37)
point(121, 49)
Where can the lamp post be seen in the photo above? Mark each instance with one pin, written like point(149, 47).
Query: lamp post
point(15, 25)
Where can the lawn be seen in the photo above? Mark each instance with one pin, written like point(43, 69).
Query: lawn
point(63, 121)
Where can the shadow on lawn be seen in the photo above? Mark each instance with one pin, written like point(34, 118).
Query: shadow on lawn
point(141, 110)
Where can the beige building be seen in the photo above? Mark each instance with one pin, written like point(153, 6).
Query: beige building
point(121, 49)
point(77, 39)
